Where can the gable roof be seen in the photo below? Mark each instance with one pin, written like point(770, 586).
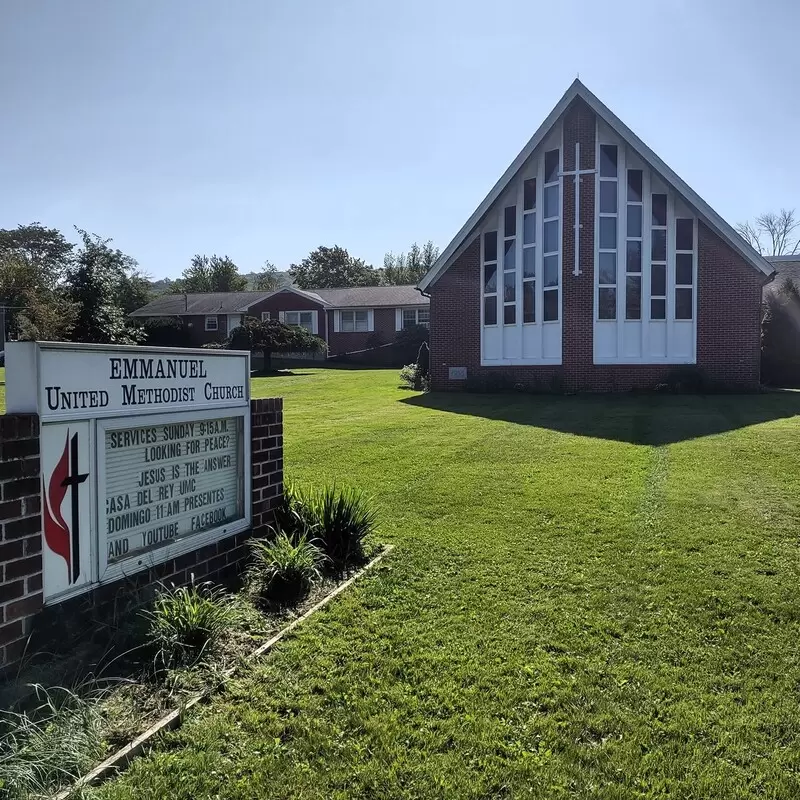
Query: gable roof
point(373, 297)
point(181, 305)
point(578, 90)
point(200, 303)
point(785, 267)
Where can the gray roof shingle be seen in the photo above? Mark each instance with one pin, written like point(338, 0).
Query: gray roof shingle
point(171, 305)
point(786, 267)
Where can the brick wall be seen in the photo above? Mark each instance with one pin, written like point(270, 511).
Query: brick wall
point(344, 342)
point(27, 626)
point(729, 305)
point(20, 532)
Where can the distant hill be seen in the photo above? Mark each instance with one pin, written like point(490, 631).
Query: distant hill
point(163, 286)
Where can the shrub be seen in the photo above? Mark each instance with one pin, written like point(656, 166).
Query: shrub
point(284, 569)
point(50, 746)
point(339, 518)
point(185, 621)
point(345, 518)
point(414, 376)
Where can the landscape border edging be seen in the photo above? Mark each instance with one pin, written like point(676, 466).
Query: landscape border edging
point(119, 760)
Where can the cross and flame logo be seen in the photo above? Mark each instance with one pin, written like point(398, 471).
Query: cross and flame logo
point(57, 534)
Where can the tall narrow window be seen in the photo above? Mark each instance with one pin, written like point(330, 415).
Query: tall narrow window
point(529, 251)
point(490, 278)
point(684, 268)
point(608, 190)
point(550, 244)
point(510, 266)
point(658, 257)
point(633, 246)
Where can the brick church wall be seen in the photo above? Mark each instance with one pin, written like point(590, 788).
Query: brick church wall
point(26, 625)
point(729, 306)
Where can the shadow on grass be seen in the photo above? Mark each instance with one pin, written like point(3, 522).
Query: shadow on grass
point(638, 419)
point(277, 373)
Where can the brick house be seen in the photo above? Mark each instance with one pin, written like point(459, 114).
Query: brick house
point(348, 319)
point(656, 280)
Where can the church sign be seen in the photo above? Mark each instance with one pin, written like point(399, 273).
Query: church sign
point(145, 454)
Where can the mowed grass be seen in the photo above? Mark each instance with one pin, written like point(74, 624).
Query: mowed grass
point(590, 597)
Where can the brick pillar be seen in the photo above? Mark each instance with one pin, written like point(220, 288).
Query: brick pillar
point(266, 433)
point(578, 301)
point(20, 532)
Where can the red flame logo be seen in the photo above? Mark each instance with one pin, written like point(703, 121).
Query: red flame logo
point(56, 531)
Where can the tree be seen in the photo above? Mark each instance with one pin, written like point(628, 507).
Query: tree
point(331, 268)
point(780, 336)
point(133, 290)
point(773, 234)
point(47, 318)
point(93, 284)
point(210, 274)
point(33, 262)
point(271, 336)
point(268, 280)
point(405, 269)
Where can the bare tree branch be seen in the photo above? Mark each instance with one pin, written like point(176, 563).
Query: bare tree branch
point(780, 230)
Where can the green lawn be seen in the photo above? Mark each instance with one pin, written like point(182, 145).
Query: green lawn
point(591, 597)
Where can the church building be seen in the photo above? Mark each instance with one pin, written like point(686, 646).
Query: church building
point(591, 266)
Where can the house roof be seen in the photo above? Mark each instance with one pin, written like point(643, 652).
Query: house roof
point(372, 297)
point(179, 305)
point(578, 90)
point(182, 305)
point(785, 267)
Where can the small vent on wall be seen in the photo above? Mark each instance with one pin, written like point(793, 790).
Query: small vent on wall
point(457, 373)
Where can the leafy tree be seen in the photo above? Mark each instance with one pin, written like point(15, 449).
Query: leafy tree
point(47, 317)
point(134, 290)
point(268, 280)
point(210, 274)
point(773, 234)
point(93, 284)
point(409, 268)
point(33, 262)
point(331, 268)
point(271, 336)
point(780, 336)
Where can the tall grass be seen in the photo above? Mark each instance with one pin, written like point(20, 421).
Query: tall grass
point(185, 621)
point(49, 746)
point(284, 569)
point(340, 518)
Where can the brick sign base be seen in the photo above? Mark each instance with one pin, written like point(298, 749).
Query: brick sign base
point(26, 625)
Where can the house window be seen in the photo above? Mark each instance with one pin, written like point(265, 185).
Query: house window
point(607, 205)
point(684, 268)
point(415, 316)
point(301, 319)
point(550, 235)
point(212, 323)
point(529, 251)
point(490, 278)
point(510, 266)
point(658, 257)
point(633, 246)
point(354, 321)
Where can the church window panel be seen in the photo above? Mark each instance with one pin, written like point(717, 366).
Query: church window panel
point(633, 297)
point(683, 303)
point(608, 268)
point(659, 204)
point(684, 234)
point(551, 164)
point(683, 269)
point(658, 251)
point(551, 305)
point(529, 228)
point(510, 227)
point(528, 301)
point(607, 302)
point(633, 256)
point(634, 186)
point(551, 201)
point(490, 296)
point(608, 197)
point(510, 266)
point(529, 192)
point(608, 233)
point(608, 161)
point(634, 221)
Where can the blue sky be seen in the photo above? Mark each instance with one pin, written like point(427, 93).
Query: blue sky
point(262, 129)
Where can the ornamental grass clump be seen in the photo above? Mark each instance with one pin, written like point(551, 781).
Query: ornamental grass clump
point(285, 568)
point(50, 746)
point(186, 621)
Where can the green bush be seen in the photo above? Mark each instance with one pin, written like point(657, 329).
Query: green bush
point(185, 621)
point(48, 747)
point(339, 518)
point(284, 569)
